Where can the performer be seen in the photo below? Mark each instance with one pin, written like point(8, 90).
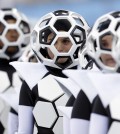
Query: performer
point(55, 40)
point(103, 47)
point(14, 37)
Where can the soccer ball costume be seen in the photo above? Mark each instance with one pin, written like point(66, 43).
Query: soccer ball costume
point(103, 115)
point(27, 56)
point(104, 41)
point(41, 96)
point(78, 108)
point(14, 37)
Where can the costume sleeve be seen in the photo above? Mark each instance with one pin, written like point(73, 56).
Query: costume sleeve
point(80, 114)
point(66, 120)
point(26, 122)
point(12, 121)
point(99, 121)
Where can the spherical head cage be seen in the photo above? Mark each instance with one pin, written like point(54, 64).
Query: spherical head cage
point(14, 33)
point(106, 26)
point(59, 24)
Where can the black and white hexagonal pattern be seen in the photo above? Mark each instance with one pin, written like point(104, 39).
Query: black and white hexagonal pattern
point(45, 111)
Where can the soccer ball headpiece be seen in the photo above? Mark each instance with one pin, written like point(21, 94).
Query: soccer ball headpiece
point(14, 33)
point(61, 24)
point(104, 39)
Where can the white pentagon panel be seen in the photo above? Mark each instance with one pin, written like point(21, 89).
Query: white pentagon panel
point(4, 81)
point(115, 108)
point(58, 128)
point(61, 102)
point(49, 89)
point(44, 114)
point(115, 128)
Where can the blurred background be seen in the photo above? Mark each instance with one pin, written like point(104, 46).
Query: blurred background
point(89, 9)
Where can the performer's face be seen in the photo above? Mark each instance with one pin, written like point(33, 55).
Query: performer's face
point(106, 43)
point(63, 45)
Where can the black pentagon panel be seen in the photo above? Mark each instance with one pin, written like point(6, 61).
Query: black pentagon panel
point(12, 50)
point(2, 27)
point(2, 129)
point(10, 19)
point(1, 44)
point(61, 13)
point(12, 35)
point(45, 130)
point(94, 44)
point(44, 22)
point(65, 64)
point(24, 27)
point(23, 45)
point(44, 36)
point(116, 14)
point(103, 25)
point(117, 26)
point(79, 35)
point(45, 51)
point(62, 24)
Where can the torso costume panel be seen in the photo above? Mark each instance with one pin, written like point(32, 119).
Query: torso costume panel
point(42, 94)
point(9, 79)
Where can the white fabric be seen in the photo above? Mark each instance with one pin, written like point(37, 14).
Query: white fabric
point(4, 81)
point(26, 123)
point(79, 126)
point(95, 68)
point(98, 124)
point(66, 125)
point(72, 86)
point(66, 118)
point(12, 99)
point(114, 128)
point(115, 108)
point(81, 78)
point(4, 116)
point(33, 71)
point(16, 82)
point(65, 110)
point(107, 85)
point(12, 123)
